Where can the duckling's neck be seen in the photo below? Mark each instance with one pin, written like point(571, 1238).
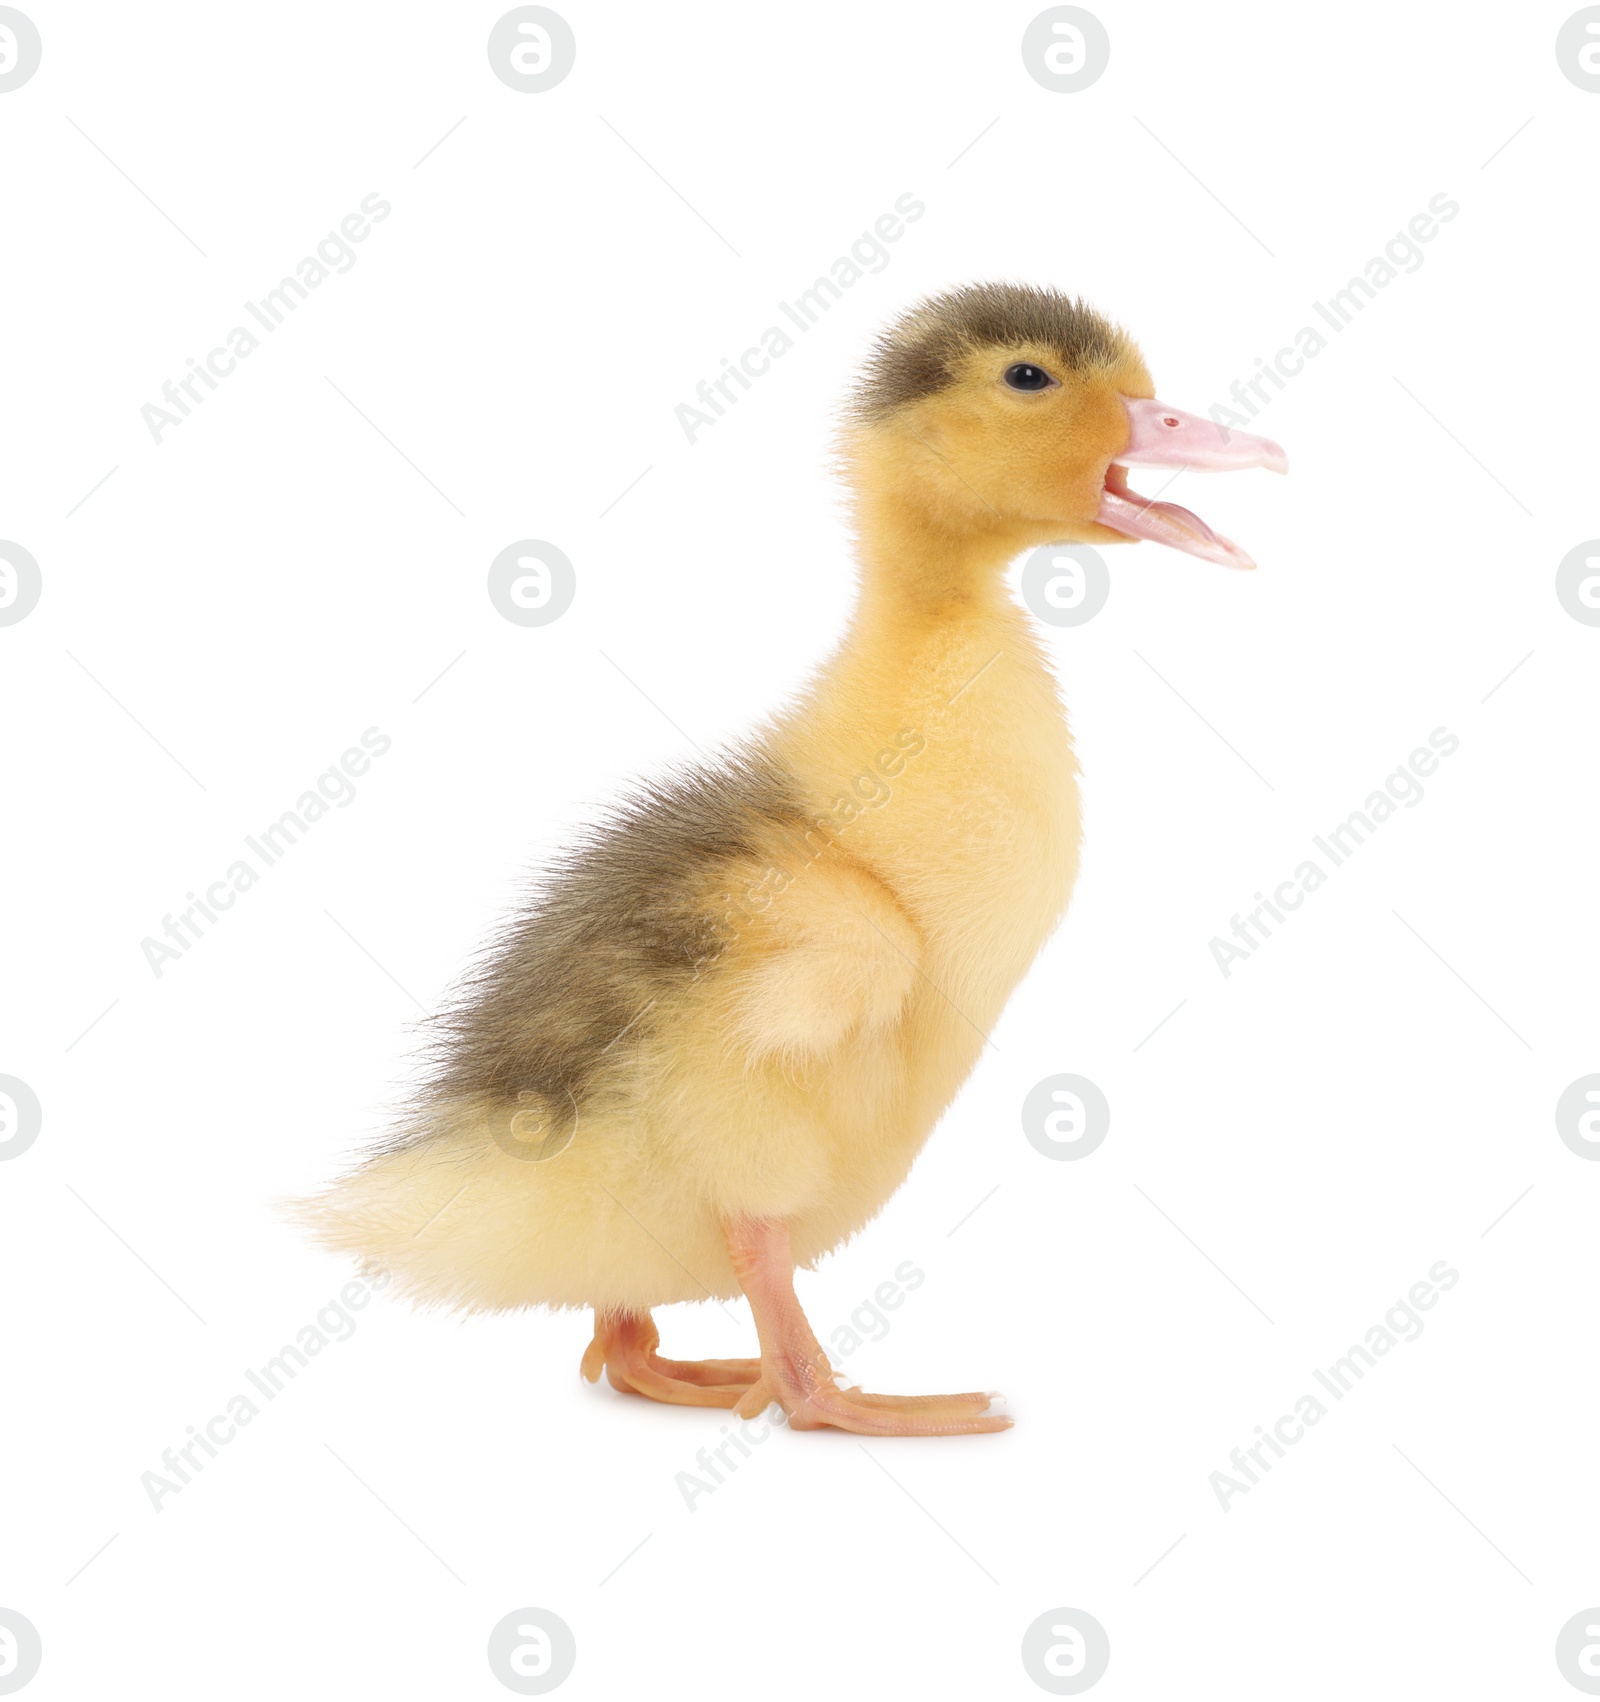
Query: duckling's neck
point(922, 569)
point(934, 614)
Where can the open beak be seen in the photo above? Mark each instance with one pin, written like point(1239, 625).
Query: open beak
point(1159, 436)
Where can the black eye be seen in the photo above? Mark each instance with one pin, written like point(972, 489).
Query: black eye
point(1025, 376)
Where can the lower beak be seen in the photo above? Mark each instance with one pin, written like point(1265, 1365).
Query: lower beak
point(1159, 436)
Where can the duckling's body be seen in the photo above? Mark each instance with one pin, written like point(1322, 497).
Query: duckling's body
point(716, 1043)
point(937, 895)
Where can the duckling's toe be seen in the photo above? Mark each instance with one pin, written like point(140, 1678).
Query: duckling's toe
point(624, 1347)
point(824, 1405)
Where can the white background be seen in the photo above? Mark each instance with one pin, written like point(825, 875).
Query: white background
point(1356, 1102)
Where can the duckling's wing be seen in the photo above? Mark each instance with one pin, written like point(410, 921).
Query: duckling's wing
point(833, 954)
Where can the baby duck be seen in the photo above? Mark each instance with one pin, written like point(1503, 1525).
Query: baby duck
point(711, 1048)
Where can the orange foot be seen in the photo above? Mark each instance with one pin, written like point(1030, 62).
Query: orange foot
point(794, 1371)
point(624, 1346)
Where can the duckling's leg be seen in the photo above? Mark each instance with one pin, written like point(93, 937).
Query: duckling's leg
point(624, 1346)
point(795, 1371)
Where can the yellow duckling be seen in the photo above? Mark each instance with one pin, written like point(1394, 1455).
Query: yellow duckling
point(711, 1049)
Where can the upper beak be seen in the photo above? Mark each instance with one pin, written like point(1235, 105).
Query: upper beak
point(1159, 436)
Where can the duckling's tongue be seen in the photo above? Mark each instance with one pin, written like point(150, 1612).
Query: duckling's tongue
point(1160, 436)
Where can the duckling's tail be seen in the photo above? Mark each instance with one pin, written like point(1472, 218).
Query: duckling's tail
point(493, 1206)
point(446, 1210)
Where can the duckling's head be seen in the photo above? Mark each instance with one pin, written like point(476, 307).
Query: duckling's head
point(1003, 416)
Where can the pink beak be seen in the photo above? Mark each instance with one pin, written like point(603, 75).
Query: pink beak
point(1159, 436)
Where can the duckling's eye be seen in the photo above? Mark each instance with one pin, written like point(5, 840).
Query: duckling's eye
point(1025, 376)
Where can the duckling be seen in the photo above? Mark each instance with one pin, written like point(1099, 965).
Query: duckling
point(711, 1047)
